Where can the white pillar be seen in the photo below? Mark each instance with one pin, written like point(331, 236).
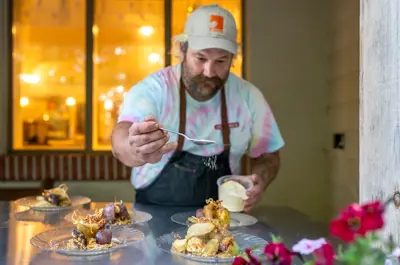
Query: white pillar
point(4, 75)
point(380, 105)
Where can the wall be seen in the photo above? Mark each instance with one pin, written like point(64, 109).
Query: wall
point(286, 57)
point(343, 107)
point(287, 46)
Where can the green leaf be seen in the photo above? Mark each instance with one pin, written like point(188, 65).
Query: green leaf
point(276, 239)
point(310, 262)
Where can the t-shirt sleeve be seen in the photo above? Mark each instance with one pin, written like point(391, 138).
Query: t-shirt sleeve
point(265, 134)
point(140, 101)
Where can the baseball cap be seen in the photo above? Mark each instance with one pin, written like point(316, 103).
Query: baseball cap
point(210, 26)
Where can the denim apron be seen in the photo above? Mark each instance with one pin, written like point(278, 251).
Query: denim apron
point(188, 179)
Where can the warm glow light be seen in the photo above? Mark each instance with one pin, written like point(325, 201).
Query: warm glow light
point(108, 104)
point(70, 101)
point(46, 117)
point(51, 73)
point(103, 97)
point(146, 30)
point(63, 79)
point(119, 89)
point(31, 79)
point(119, 51)
point(190, 9)
point(95, 30)
point(154, 57)
point(24, 101)
point(121, 76)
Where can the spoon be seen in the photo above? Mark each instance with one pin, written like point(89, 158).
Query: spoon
point(195, 141)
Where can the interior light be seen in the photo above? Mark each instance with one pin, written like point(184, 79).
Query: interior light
point(146, 30)
point(63, 79)
point(154, 57)
point(119, 51)
point(24, 101)
point(103, 97)
point(46, 117)
point(190, 9)
point(108, 104)
point(95, 30)
point(70, 101)
point(119, 89)
point(31, 79)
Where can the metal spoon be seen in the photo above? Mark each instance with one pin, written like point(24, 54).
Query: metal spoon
point(195, 141)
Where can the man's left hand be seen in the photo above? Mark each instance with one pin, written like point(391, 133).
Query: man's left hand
point(255, 193)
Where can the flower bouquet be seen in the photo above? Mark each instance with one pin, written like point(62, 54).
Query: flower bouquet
point(357, 226)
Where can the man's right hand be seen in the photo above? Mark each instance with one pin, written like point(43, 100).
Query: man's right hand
point(148, 142)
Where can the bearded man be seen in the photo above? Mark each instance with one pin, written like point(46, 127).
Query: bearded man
point(201, 98)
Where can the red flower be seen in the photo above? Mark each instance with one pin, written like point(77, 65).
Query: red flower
point(373, 216)
point(349, 224)
point(278, 254)
point(324, 255)
point(240, 261)
point(253, 260)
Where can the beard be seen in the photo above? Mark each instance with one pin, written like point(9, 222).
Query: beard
point(199, 86)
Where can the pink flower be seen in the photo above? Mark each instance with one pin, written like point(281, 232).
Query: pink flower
point(396, 253)
point(308, 246)
point(240, 261)
point(278, 254)
point(324, 255)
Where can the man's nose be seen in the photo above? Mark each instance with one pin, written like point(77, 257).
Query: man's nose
point(209, 70)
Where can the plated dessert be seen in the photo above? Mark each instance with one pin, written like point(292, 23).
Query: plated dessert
point(207, 239)
point(55, 199)
point(213, 212)
point(89, 237)
point(216, 213)
point(115, 213)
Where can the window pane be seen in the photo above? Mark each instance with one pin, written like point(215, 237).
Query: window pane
point(182, 8)
point(128, 46)
point(48, 74)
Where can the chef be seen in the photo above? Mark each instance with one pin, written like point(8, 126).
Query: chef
point(201, 98)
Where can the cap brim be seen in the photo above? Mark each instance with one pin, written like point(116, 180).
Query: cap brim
point(200, 43)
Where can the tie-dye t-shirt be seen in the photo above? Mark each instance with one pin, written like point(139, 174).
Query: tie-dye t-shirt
point(253, 128)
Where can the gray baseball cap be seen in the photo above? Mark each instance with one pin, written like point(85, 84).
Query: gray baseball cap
point(210, 26)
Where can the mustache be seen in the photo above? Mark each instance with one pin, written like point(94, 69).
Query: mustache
point(203, 79)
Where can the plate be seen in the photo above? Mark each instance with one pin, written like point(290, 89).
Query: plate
point(164, 242)
point(55, 240)
point(237, 219)
point(138, 216)
point(32, 200)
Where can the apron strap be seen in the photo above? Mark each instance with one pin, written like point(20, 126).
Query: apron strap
point(182, 118)
point(224, 118)
point(182, 114)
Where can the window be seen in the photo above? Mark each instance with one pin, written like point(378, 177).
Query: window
point(128, 46)
point(50, 72)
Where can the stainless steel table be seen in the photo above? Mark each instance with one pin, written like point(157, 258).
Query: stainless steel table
point(18, 225)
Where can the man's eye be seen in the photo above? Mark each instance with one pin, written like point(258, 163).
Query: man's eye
point(201, 59)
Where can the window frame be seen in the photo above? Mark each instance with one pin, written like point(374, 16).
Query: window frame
point(89, 46)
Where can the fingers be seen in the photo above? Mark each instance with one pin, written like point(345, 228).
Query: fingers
point(149, 147)
point(143, 127)
point(150, 118)
point(157, 155)
point(147, 138)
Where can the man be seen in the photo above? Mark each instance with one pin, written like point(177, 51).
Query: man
point(201, 98)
